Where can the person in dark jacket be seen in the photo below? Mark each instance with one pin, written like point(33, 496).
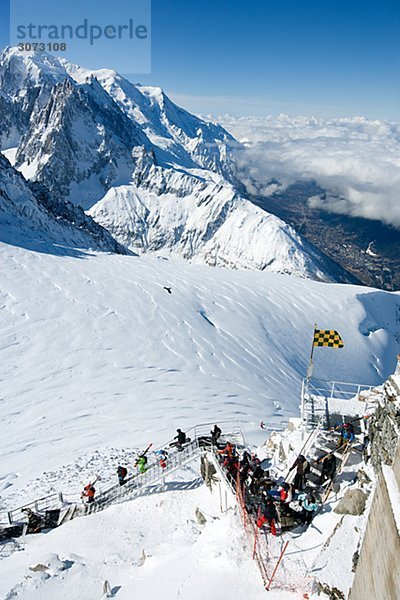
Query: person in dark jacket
point(244, 467)
point(122, 472)
point(302, 467)
point(215, 435)
point(256, 477)
point(268, 514)
point(180, 439)
point(366, 448)
point(328, 467)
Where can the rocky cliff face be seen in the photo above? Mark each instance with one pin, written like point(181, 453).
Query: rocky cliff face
point(79, 143)
point(384, 425)
point(29, 213)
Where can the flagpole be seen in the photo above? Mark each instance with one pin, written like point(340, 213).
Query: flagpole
point(310, 362)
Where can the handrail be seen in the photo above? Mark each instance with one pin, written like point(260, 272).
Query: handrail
point(331, 389)
point(134, 485)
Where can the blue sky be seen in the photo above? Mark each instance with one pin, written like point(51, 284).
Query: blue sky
point(327, 58)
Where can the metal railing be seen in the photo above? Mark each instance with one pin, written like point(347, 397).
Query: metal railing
point(316, 394)
point(340, 390)
point(135, 484)
point(53, 501)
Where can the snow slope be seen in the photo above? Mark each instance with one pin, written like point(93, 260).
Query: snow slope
point(95, 354)
point(182, 559)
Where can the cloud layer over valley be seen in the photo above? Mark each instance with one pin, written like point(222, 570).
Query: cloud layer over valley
point(356, 160)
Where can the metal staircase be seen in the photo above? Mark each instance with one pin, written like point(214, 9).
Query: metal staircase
point(71, 506)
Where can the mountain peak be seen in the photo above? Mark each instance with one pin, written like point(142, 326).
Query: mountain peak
point(157, 177)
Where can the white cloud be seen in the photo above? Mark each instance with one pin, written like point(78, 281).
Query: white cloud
point(357, 160)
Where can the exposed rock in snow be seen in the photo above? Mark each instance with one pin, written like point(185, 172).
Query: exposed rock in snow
point(177, 136)
point(352, 503)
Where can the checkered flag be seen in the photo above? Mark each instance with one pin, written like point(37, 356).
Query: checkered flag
point(328, 338)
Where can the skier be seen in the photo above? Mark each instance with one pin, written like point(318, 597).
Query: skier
point(162, 456)
point(180, 440)
point(254, 461)
point(228, 451)
point(232, 466)
point(309, 506)
point(366, 448)
point(141, 463)
point(89, 492)
point(268, 514)
point(256, 479)
point(35, 522)
point(286, 493)
point(244, 467)
point(122, 472)
point(215, 435)
point(302, 467)
point(286, 497)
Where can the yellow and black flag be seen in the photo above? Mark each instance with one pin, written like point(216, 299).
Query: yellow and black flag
point(328, 338)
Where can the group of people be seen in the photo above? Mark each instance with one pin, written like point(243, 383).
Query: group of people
point(141, 464)
point(270, 502)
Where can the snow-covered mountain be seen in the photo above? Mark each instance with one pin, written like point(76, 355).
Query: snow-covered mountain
point(31, 217)
point(205, 221)
point(178, 137)
point(158, 178)
point(79, 143)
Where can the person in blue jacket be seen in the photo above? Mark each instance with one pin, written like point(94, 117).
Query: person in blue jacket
point(346, 434)
point(309, 505)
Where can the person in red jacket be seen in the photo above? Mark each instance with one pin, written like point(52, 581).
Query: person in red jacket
point(228, 450)
point(88, 493)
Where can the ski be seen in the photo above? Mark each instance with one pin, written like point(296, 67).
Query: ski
point(144, 452)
